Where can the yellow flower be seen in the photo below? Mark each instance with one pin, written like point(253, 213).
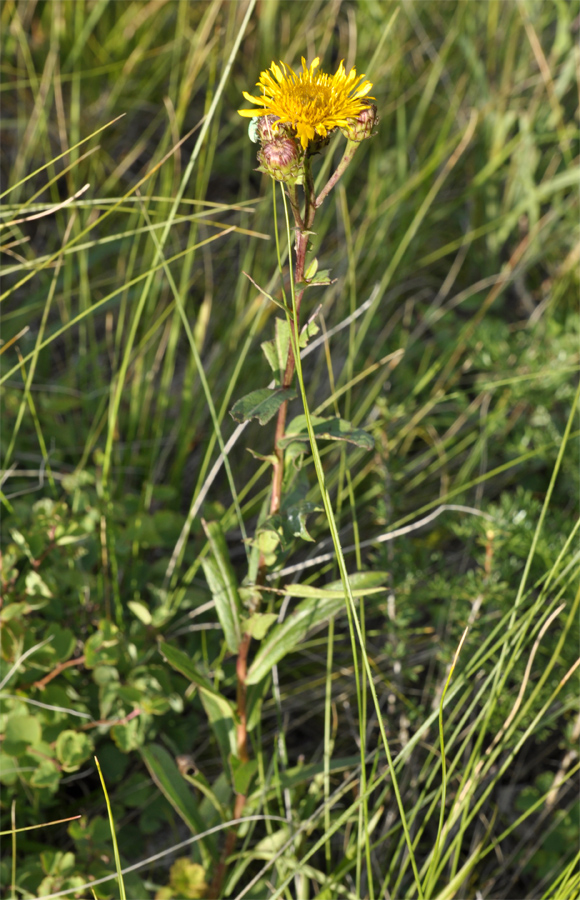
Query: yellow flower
point(311, 103)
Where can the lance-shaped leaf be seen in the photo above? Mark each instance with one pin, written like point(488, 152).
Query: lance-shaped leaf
point(261, 404)
point(172, 785)
point(222, 583)
point(328, 429)
point(221, 718)
point(284, 638)
point(319, 605)
point(218, 710)
point(276, 350)
point(362, 584)
point(182, 663)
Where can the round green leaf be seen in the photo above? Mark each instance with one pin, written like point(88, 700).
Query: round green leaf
point(21, 732)
point(72, 749)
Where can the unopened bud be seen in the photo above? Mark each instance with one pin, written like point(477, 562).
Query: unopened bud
point(267, 130)
point(362, 126)
point(282, 159)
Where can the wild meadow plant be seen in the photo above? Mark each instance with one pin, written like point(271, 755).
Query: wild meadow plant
point(172, 604)
point(296, 116)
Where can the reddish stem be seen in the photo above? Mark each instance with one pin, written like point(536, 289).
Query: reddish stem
point(79, 661)
point(302, 228)
point(351, 148)
point(303, 225)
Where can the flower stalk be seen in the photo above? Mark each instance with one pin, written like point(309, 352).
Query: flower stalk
point(296, 115)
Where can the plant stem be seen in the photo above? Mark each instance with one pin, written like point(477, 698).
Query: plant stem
point(351, 148)
point(303, 225)
point(301, 244)
point(241, 672)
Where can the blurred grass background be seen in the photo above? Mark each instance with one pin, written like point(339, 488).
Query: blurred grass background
point(459, 221)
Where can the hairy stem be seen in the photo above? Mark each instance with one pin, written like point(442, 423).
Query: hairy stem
point(303, 223)
point(351, 148)
point(301, 245)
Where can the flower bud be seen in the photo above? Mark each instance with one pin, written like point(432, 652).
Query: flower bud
point(266, 128)
point(362, 126)
point(282, 159)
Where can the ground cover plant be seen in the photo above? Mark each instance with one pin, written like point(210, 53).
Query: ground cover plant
point(268, 634)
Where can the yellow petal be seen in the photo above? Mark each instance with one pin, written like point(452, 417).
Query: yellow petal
point(261, 101)
point(277, 72)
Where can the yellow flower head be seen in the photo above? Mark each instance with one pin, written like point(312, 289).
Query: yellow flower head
point(310, 103)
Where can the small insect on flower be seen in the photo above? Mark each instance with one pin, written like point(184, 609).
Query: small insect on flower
point(312, 104)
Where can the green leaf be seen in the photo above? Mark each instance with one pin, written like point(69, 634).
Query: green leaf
point(72, 749)
point(261, 404)
point(311, 269)
point(296, 518)
point(222, 583)
point(21, 543)
point(254, 700)
point(306, 332)
point(290, 521)
point(361, 584)
point(218, 710)
point(130, 735)
point(283, 527)
point(283, 638)
point(242, 773)
point(319, 605)
point(259, 624)
point(140, 611)
point(14, 609)
point(180, 661)
point(9, 769)
point(20, 733)
point(276, 350)
point(221, 718)
point(331, 429)
point(322, 277)
point(267, 541)
point(172, 785)
point(34, 586)
point(102, 648)
point(61, 646)
point(46, 776)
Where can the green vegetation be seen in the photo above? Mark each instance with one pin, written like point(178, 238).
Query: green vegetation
point(440, 373)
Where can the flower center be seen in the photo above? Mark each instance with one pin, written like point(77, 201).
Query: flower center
point(313, 95)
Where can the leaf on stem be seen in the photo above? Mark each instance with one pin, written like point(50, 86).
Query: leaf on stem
point(242, 774)
point(269, 296)
point(319, 605)
point(222, 583)
point(285, 637)
point(261, 404)
point(329, 429)
point(362, 585)
point(166, 776)
point(217, 708)
point(318, 277)
point(276, 350)
point(259, 624)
